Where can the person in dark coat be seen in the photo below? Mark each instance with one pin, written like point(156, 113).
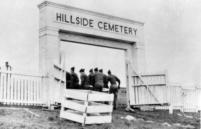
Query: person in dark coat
point(74, 79)
point(84, 80)
point(114, 87)
point(91, 78)
point(99, 80)
point(68, 80)
point(105, 80)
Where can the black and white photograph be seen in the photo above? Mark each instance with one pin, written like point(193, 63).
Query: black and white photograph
point(100, 64)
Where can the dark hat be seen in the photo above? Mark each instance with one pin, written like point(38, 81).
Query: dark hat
point(81, 70)
point(96, 69)
point(6, 62)
point(72, 68)
point(101, 70)
point(91, 70)
point(109, 72)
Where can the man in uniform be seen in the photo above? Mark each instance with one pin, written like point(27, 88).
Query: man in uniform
point(74, 79)
point(114, 87)
point(84, 80)
point(91, 78)
point(105, 81)
point(68, 80)
point(99, 77)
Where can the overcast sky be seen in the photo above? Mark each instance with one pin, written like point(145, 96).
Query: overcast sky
point(172, 33)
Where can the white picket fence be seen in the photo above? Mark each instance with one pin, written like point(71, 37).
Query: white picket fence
point(20, 89)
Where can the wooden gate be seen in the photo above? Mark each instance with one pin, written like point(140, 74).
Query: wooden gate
point(149, 89)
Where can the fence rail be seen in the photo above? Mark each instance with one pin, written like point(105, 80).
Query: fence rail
point(20, 89)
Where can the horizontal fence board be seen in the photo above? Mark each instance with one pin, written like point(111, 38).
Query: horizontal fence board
point(72, 116)
point(74, 105)
point(99, 108)
point(100, 97)
point(76, 94)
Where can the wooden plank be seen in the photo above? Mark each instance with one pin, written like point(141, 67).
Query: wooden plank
point(99, 108)
point(1, 87)
point(22, 91)
point(85, 111)
point(74, 105)
point(98, 119)
point(31, 92)
point(18, 90)
point(4, 88)
point(76, 94)
point(101, 97)
point(154, 84)
point(26, 91)
point(14, 89)
point(37, 90)
point(8, 89)
point(11, 89)
point(34, 90)
point(70, 115)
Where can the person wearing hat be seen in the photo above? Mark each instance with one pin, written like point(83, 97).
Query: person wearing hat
point(68, 80)
point(105, 81)
point(113, 87)
point(84, 80)
point(91, 78)
point(74, 79)
point(99, 80)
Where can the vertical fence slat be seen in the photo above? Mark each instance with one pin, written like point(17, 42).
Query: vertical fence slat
point(11, 90)
point(1, 87)
point(4, 89)
point(33, 91)
point(14, 90)
point(39, 91)
point(18, 91)
point(27, 92)
point(30, 93)
point(37, 87)
point(21, 92)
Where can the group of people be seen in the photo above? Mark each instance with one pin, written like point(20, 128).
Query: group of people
point(96, 80)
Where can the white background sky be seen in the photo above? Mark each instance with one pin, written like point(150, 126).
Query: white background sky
point(172, 33)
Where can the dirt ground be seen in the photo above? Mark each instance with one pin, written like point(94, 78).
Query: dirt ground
point(29, 118)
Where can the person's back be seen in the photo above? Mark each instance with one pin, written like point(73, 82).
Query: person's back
point(112, 80)
point(74, 79)
point(98, 77)
point(91, 78)
point(113, 87)
point(68, 80)
point(84, 80)
point(105, 79)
